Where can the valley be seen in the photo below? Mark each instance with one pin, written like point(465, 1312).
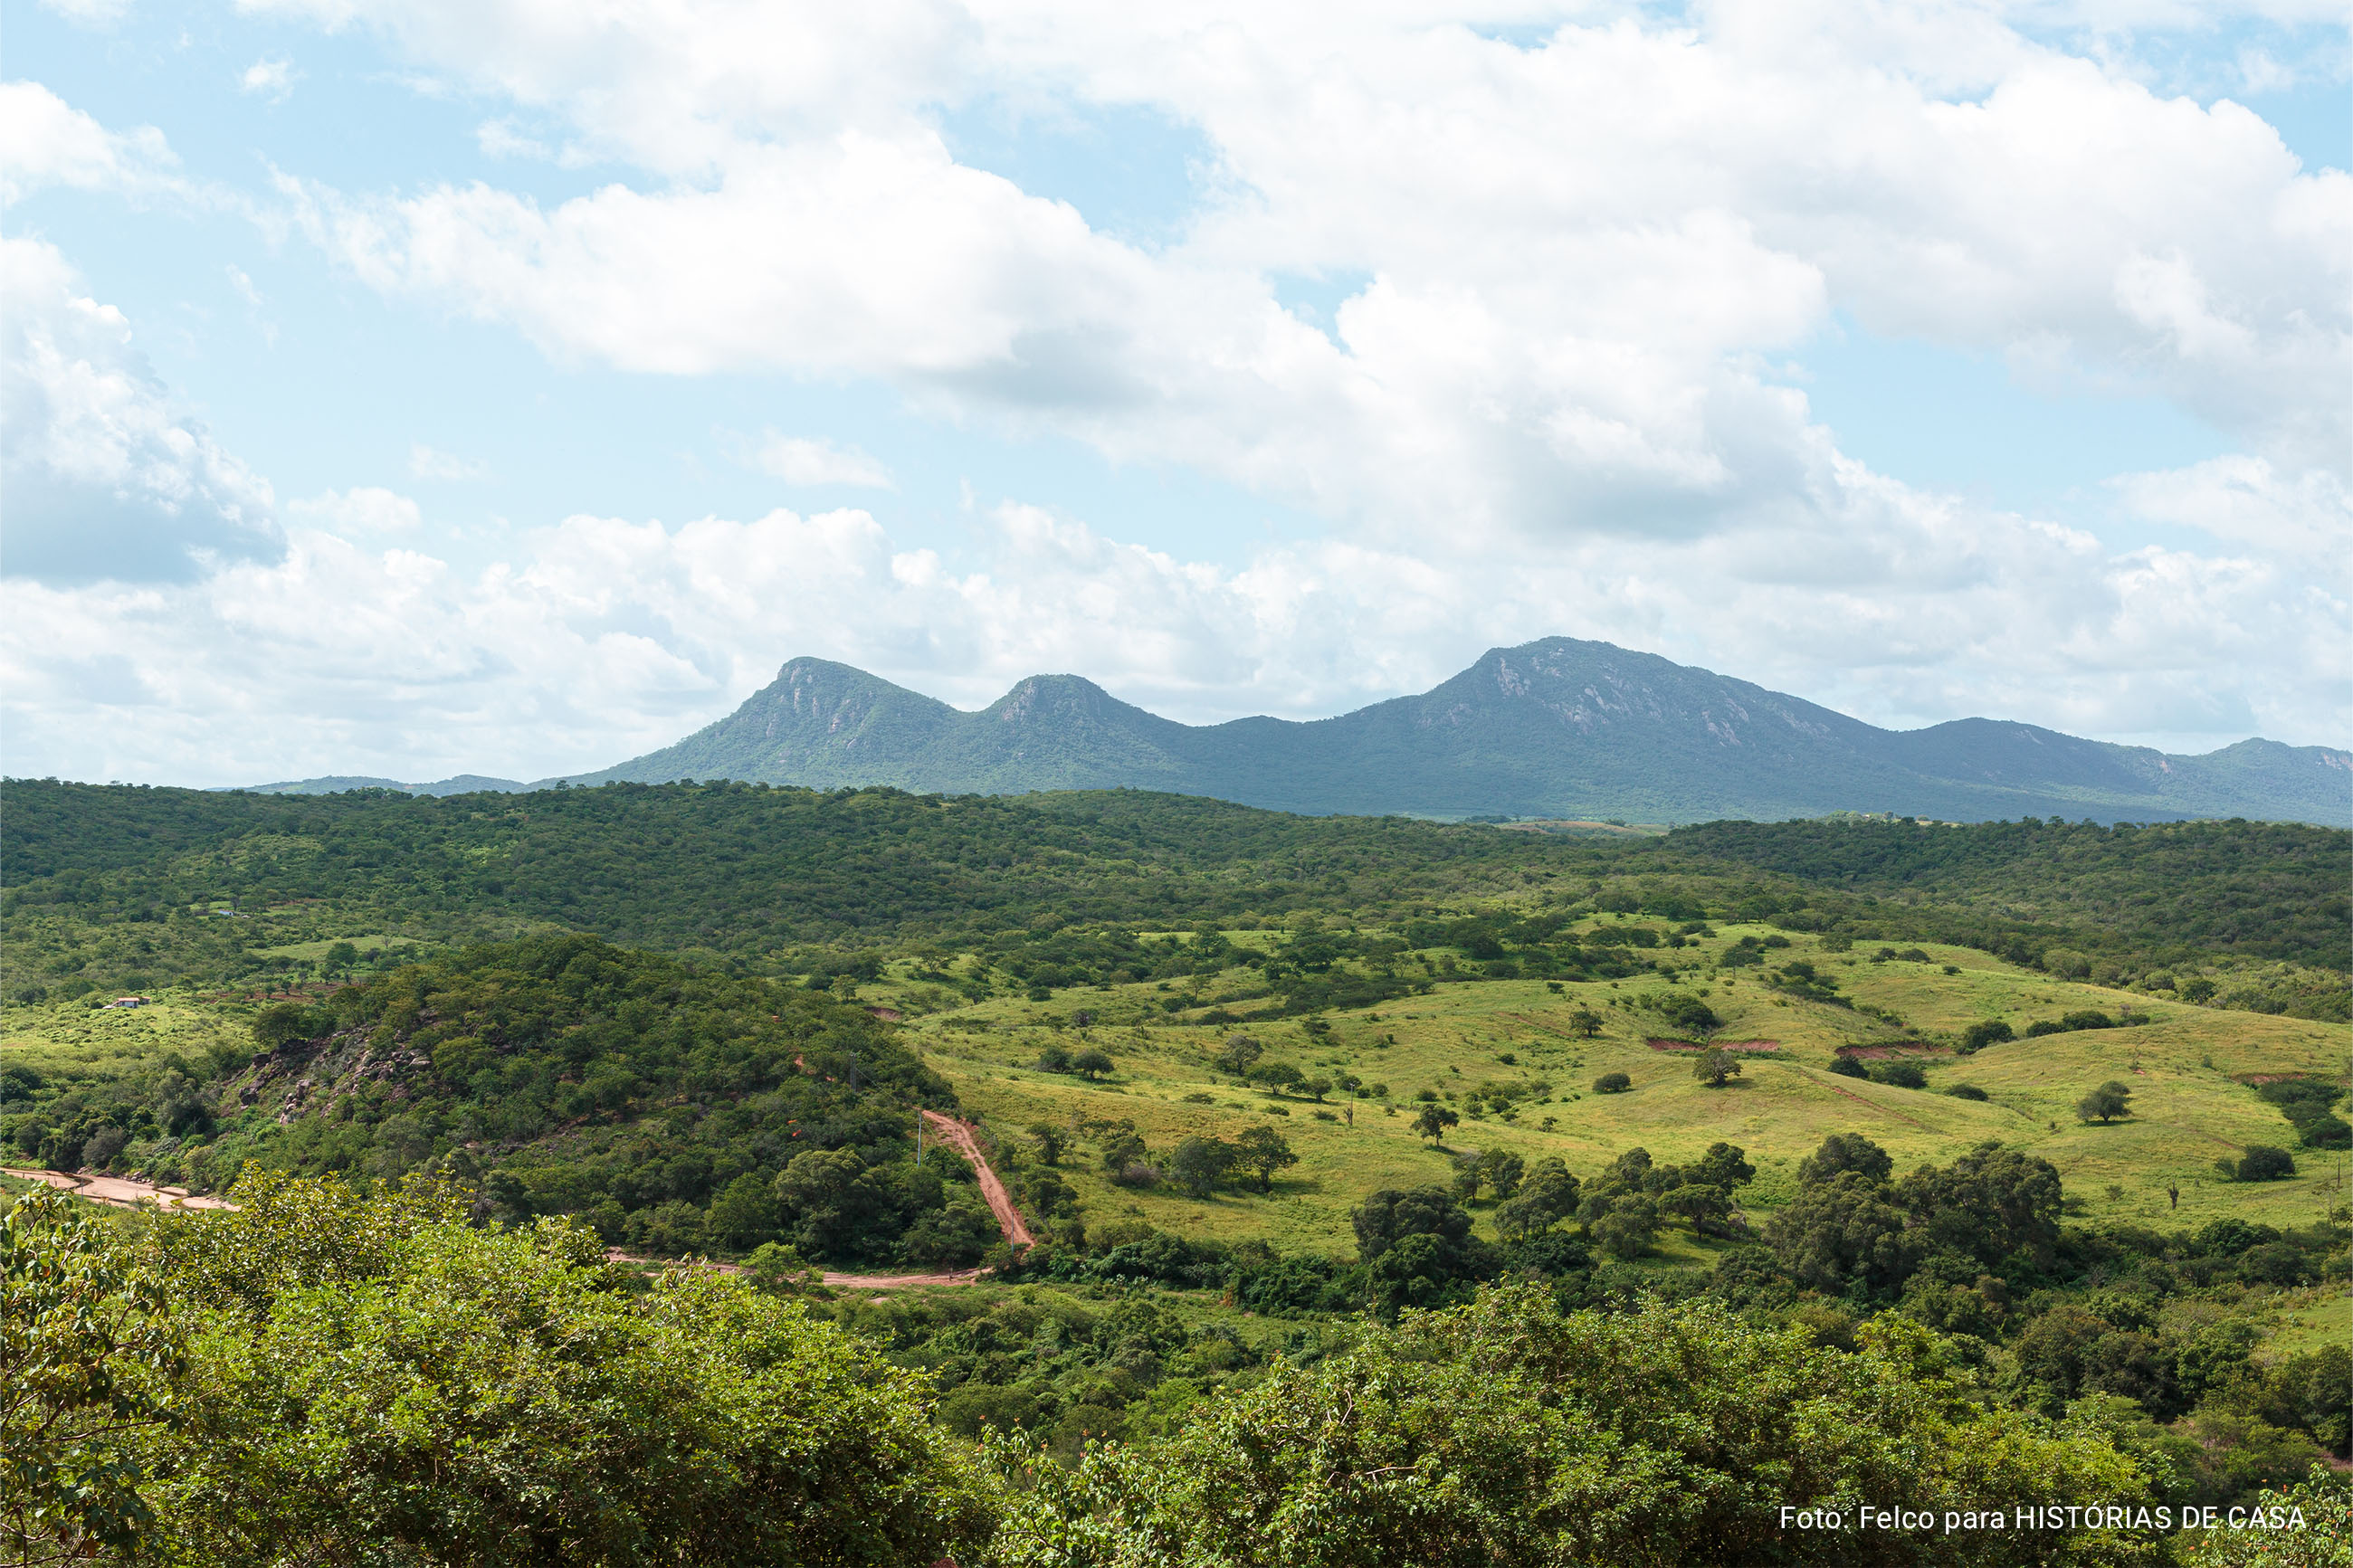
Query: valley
point(1261, 1099)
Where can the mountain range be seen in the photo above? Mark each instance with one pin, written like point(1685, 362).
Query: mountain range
point(1553, 728)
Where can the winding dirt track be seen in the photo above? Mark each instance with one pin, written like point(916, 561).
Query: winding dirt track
point(125, 1193)
point(120, 1191)
point(1000, 1203)
point(958, 1136)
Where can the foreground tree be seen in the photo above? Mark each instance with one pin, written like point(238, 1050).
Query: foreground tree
point(89, 1360)
point(1510, 1432)
point(370, 1380)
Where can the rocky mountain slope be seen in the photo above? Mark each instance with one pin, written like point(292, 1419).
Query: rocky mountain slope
point(1554, 728)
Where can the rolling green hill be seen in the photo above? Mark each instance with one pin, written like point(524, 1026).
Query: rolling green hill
point(2015, 1119)
point(128, 888)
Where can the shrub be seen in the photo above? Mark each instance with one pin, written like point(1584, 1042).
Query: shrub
point(1989, 1032)
point(1612, 1083)
point(1965, 1092)
point(1847, 1066)
point(1899, 1075)
point(2262, 1163)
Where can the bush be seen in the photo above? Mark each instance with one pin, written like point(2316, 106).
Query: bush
point(1899, 1075)
point(376, 1380)
point(1965, 1092)
point(2087, 1018)
point(1612, 1083)
point(1849, 1066)
point(2262, 1163)
point(1990, 1032)
point(1472, 1436)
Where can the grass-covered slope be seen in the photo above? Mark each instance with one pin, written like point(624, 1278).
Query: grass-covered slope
point(1511, 1059)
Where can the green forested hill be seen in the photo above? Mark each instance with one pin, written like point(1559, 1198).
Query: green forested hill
point(657, 1100)
point(733, 866)
point(2275, 889)
point(114, 885)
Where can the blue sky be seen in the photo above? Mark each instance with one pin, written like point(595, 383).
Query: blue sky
point(1244, 377)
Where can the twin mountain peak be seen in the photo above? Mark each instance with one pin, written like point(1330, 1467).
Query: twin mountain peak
point(1555, 729)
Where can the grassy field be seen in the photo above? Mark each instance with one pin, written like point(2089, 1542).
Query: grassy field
point(72, 1041)
point(2185, 1068)
point(2188, 1069)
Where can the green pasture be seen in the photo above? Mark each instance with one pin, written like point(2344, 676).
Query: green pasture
point(2185, 1069)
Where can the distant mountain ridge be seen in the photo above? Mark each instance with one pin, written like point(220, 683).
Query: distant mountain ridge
point(336, 783)
point(1557, 727)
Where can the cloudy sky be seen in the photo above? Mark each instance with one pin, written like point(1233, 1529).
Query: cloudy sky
point(511, 386)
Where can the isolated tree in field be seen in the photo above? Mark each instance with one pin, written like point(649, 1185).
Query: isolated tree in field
point(341, 957)
point(1261, 1151)
point(1716, 1068)
point(1092, 1065)
point(2110, 1100)
point(1612, 1083)
point(1585, 1021)
point(1239, 1055)
point(1276, 1076)
point(1316, 1088)
point(1434, 1120)
point(1198, 1164)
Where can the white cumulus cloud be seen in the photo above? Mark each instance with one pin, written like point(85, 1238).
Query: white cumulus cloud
point(361, 510)
point(106, 478)
point(806, 460)
point(271, 77)
point(50, 142)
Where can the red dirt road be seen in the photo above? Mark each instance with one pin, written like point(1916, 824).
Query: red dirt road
point(119, 1191)
point(126, 1194)
point(958, 1136)
point(1000, 1203)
